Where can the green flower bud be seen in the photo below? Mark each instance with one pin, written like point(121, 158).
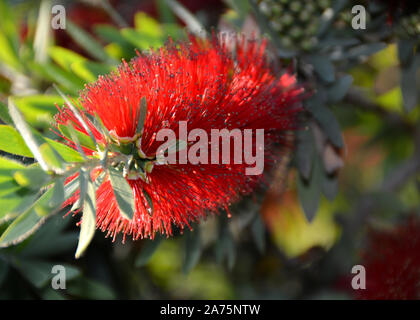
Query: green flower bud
point(295, 6)
point(287, 19)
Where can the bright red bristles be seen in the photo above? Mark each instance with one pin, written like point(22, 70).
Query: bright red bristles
point(199, 82)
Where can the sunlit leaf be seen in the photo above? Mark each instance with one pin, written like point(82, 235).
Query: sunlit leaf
point(42, 36)
point(32, 177)
point(89, 71)
point(64, 57)
point(38, 110)
point(83, 139)
point(4, 114)
point(26, 133)
point(88, 225)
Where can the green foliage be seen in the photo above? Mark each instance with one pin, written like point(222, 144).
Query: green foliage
point(354, 83)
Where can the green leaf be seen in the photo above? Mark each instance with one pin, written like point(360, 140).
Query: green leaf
point(79, 117)
point(339, 89)
point(32, 177)
point(76, 141)
point(65, 57)
point(147, 251)
point(109, 33)
point(187, 17)
point(192, 250)
point(327, 120)
point(8, 186)
point(6, 165)
point(4, 114)
point(68, 154)
point(14, 203)
point(51, 156)
point(57, 197)
point(83, 139)
point(39, 272)
point(364, 50)
point(26, 133)
point(65, 78)
point(328, 18)
point(90, 71)
point(12, 142)
point(142, 40)
point(40, 244)
point(28, 222)
point(115, 16)
point(149, 202)
point(323, 67)
point(123, 193)
point(225, 246)
point(36, 272)
point(305, 152)
point(309, 192)
point(165, 13)
point(406, 50)
point(329, 186)
point(409, 85)
point(42, 36)
point(87, 42)
point(258, 232)
point(88, 197)
point(7, 53)
point(119, 47)
point(141, 115)
point(88, 289)
point(38, 110)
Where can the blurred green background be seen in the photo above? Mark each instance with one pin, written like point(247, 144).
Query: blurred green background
point(355, 167)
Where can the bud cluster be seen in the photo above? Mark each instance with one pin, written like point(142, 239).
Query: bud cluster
point(409, 25)
point(295, 21)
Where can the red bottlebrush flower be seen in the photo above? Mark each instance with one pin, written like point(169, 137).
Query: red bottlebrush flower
point(392, 263)
point(201, 83)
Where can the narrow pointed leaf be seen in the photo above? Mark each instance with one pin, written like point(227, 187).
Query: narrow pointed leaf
point(26, 133)
point(28, 222)
point(32, 177)
point(147, 251)
point(192, 250)
point(78, 117)
point(142, 115)
point(258, 232)
point(88, 225)
point(149, 202)
point(187, 17)
point(123, 193)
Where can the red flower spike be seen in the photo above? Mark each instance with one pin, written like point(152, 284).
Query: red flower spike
point(201, 83)
point(392, 262)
